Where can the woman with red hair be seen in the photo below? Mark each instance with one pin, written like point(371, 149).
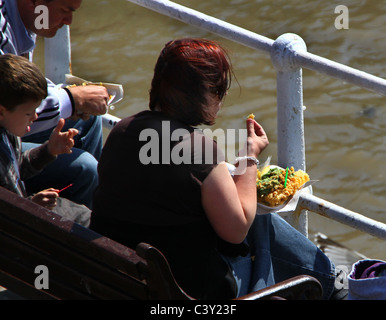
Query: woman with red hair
point(162, 181)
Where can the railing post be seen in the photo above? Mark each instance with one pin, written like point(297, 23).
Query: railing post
point(57, 63)
point(290, 124)
point(57, 55)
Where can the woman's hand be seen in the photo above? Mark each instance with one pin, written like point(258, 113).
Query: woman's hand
point(257, 139)
point(230, 203)
point(46, 198)
point(61, 142)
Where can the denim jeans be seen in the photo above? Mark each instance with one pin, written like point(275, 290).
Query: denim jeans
point(78, 168)
point(370, 287)
point(279, 252)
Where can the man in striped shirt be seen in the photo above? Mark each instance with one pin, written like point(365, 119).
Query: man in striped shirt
point(80, 106)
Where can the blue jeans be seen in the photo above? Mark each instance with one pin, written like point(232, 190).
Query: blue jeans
point(78, 168)
point(366, 287)
point(279, 252)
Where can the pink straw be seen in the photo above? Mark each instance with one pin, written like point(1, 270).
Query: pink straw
point(65, 188)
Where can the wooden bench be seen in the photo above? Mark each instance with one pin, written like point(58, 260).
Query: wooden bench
point(83, 264)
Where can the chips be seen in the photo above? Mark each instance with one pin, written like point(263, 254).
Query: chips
point(251, 116)
point(270, 185)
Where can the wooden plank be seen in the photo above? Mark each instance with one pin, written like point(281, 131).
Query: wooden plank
point(8, 280)
point(68, 233)
point(38, 239)
point(33, 237)
point(71, 268)
point(69, 277)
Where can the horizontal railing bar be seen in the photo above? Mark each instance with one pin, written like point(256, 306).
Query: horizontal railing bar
point(355, 220)
point(203, 21)
point(340, 71)
point(256, 41)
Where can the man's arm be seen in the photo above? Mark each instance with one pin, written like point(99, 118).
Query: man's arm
point(57, 105)
point(75, 103)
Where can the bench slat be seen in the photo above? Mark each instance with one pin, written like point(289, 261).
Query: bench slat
point(79, 260)
point(67, 279)
point(64, 253)
point(68, 233)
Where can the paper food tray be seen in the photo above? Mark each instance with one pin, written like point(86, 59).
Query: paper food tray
point(114, 90)
point(290, 204)
point(287, 206)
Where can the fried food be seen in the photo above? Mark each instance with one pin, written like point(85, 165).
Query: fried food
point(270, 185)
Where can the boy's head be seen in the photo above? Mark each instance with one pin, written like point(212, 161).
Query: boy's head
point(22, 88)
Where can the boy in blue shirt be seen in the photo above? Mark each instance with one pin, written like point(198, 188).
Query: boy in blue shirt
point(22, 88)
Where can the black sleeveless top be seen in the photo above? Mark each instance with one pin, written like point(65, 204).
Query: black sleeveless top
point(150, 176)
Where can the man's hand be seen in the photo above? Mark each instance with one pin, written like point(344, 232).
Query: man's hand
point(89, 100)
point(61, 142)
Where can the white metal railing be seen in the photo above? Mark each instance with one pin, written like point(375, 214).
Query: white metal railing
point(289, 55)
point(250, 39)
point(342, 215)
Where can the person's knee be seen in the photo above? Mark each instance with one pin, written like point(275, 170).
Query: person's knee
point(86, 167)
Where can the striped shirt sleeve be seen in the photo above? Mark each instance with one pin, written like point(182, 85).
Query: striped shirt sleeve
point(57, 105)
point(3, 28)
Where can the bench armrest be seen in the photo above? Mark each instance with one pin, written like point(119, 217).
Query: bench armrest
point(301, 287)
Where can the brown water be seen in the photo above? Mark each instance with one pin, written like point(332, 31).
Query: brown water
point(118, 41)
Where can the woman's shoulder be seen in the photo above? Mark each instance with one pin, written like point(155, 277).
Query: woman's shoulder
point(145, 116)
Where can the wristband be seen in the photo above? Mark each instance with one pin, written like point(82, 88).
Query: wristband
point(71, 99)
point(247, 158)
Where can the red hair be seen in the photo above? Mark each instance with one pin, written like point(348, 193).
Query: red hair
point(190, 74)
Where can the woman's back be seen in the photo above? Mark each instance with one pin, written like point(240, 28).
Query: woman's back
point(160, 202)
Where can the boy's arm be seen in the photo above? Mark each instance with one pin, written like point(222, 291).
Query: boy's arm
point(32, 161)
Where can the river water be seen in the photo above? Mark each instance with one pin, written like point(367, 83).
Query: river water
point(345, 129)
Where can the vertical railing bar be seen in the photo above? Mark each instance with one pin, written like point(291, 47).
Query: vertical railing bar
point(57, 55)
point(290, 120)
